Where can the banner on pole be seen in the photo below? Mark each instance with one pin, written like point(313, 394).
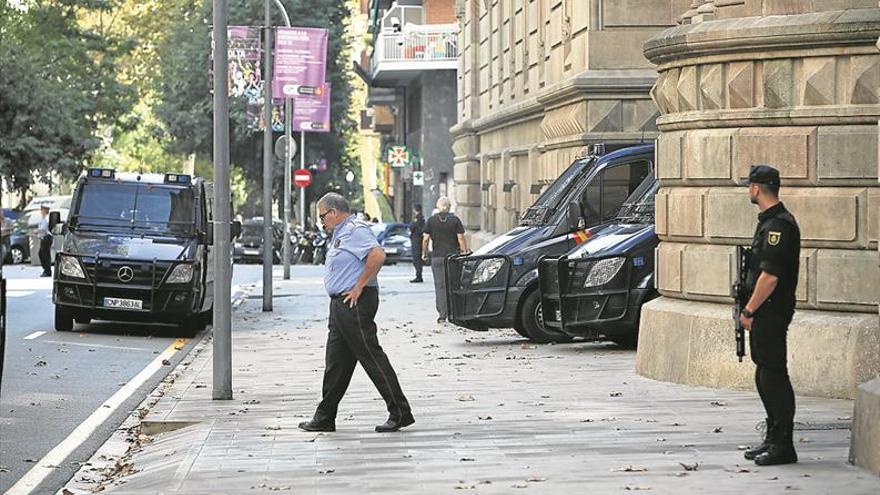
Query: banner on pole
point(244, 78)
point(300, 61)
point(256, 120)
point(311, 113)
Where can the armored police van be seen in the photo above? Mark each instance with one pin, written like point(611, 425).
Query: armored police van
point(597, 290)
point(136, 247)
point(497, 285)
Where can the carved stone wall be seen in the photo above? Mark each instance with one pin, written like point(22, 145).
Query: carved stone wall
point(539, 79)
point(797, 91)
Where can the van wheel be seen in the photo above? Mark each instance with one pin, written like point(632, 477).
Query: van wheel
point(63, 320)
point(517, 325)
point(16, 255)
point(532, 322)
point(626, 341)
point(191, 325)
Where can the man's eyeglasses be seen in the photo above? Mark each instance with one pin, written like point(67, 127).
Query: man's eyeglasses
point(322, 215)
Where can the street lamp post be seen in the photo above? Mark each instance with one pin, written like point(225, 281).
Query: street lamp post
point(222, 214)
point(288, 157)
point(268, 237)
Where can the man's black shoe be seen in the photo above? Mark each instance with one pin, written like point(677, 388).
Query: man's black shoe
point(777, 454)
point(317, 425)
point(416, 280)
point(441, 320)
point(46, 274)
point(751, 454)
point(395, 424)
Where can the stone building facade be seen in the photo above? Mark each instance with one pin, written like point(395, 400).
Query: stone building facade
point(537, 80)
point(793, 84)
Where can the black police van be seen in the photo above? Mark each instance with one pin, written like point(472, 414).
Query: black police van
point(597, 290)
point(136, 247)
point(497, 285)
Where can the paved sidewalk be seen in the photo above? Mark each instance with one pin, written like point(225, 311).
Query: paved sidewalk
point(494, 414)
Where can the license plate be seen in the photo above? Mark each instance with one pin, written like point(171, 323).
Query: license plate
point(390, 250)
point(252, 252)
point(113, 302)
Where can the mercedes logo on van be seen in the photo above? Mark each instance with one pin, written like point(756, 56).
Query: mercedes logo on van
point(125, 274)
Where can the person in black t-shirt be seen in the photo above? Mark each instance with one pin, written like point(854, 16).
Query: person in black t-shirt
point(416, 230)
point(772, 282)
point(445, 231)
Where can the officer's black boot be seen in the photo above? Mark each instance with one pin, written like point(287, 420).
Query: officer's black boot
point(781, 450)
point(765, 444)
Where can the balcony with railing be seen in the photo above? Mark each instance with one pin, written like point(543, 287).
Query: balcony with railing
point(405, 46)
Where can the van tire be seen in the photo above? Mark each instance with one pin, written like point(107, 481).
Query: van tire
point(63, 319)
point(191, 325)
point(532, 323)
point(626, 341)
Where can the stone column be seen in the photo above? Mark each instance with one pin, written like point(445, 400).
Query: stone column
point(800, 92)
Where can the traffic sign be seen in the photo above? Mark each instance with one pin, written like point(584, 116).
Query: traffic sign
point(280, 145)
point(418, 178)
point(398, 156)
point(302, 177)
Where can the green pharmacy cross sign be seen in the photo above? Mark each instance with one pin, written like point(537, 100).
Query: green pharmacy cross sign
point(398, 156)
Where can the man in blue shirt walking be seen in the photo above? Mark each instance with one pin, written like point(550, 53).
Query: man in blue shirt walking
point(353, 261)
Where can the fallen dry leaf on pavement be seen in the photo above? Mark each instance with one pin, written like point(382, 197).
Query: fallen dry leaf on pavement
point(466, 398)
point(631, 469)
point(690, 467)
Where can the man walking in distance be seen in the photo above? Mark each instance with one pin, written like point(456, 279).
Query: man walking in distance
point(446, 233)
point(416, 229)
point(353, 261)
point(772, 281)
point(45, 236)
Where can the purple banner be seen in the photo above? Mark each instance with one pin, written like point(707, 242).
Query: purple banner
point(300, 61)
point(311, 113)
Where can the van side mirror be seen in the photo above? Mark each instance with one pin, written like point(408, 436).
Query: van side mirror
point(573, 216)
point(236, 229)
point(54, 219)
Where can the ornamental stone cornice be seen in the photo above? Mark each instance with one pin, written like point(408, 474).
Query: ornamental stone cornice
point(784, 32)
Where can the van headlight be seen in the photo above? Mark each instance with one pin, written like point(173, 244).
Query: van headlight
point(70, 267)
point(181, 274)
point(603, 271)
point(487, 269)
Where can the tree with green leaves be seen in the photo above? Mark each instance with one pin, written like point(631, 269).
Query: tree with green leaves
point(183, 91)
point(58, 86)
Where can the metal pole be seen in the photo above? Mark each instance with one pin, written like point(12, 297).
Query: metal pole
point(288, 158)
point(222, 214)
point(288, 116)
point(268, 238)
point(302, 165)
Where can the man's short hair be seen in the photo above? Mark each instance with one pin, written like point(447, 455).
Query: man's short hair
point(443, 204)
point(335, 201)
point(770, 189)
point(417, 207)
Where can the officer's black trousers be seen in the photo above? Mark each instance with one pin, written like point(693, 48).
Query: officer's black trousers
point(767, 342)
point(417, 257)
point(45, 253)
point(352, 339)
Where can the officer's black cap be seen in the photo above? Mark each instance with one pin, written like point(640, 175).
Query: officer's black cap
point(762, 174)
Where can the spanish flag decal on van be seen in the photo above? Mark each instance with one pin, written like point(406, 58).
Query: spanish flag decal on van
point(581, 236)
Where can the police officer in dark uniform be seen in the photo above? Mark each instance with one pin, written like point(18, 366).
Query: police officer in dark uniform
point(353, 261)
point(772, 282)
point(416, 229)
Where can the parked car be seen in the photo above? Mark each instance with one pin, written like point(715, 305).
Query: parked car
point(19, 242)
point(497, 285)
point(398, 248)
point(249, 245)
point(137, 247)
point(597, 290)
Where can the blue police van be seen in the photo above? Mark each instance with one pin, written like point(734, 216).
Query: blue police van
point(136, 247)
point(497, 285)
point(596, 291)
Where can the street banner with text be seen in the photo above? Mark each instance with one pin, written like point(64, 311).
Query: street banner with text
point(311, 113)
point(300, 61)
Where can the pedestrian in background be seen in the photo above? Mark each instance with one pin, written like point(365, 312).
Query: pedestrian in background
point(353, 261)
point(416, 230)
point(772, 281)
point(45, 242)
point(446, 233)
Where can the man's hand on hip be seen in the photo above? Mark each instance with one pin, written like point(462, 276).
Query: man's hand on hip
point(352, 296)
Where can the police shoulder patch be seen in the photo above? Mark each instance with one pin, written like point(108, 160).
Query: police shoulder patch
point(773, 237)
point(337, 243)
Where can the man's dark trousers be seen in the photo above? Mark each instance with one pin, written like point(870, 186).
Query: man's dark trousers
point(417, 257)
point(352, 339)
point(46, 253)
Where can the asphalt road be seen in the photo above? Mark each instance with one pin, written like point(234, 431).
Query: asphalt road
point(53, 381)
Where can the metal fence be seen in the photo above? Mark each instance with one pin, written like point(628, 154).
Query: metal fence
point(426, 43)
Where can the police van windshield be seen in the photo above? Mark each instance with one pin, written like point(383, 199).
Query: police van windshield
point(549, 201)
point(145, 208)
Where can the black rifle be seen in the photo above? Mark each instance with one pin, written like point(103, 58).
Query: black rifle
point(740, 297)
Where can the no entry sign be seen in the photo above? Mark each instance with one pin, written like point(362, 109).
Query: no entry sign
point(302, 178)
